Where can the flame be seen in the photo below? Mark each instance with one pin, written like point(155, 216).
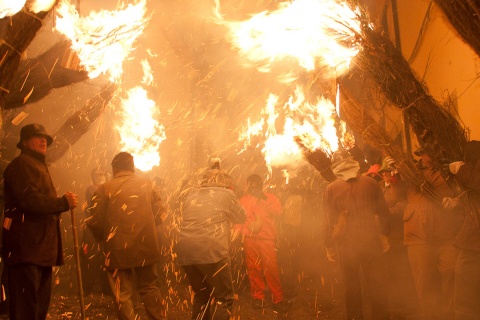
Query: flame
point(147, 73)
point(41, 5)
point(140, 134)
point(314, 124)
point(104, 39)
point(314, 33)
point(10, 7)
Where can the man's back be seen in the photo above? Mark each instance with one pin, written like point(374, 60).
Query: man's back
point(125, 212)
point(207, 213)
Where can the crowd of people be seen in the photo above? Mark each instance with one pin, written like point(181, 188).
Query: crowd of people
point(381, 230)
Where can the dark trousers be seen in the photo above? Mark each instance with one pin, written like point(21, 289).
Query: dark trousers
point(433, 269)
point(29, 289)
point(122, 284)
point(353, 259)
point(94, 277)
point(213, 280)
point(467, 286)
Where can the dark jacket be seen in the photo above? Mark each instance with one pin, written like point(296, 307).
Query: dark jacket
point(207, 213)
point(124, 215)
point(363, 201)
point(31, 227)
point(469, 236)
point(425, 220)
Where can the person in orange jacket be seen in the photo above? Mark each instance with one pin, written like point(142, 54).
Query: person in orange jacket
point(259, 243)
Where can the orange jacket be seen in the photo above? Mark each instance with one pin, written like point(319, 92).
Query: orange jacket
point(262, 211)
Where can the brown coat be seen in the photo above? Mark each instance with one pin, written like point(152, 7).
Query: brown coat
point(124, 215)
point(363, 199)
point(469, 235)
point(31, 227)
point(425, 220)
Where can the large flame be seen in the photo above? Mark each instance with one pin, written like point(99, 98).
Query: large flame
point(140, 134)
point(315, 124)
point(41, 5)
point(10, 7)
point(314, 33)
point(104, 39)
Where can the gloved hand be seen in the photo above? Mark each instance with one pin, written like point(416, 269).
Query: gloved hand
point(455, 166)
point(444, 163)
point(331, 254)
point(450, 203)
point(390, 162)
point(385, 243)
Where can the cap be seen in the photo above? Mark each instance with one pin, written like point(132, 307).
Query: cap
point(33, 129)
point(385, 166)
point(373, 170)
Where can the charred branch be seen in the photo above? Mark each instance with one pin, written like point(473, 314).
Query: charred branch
point(36, 77)
point(360, 121)
point(79, 123)
point(464, 17)
point(436, 129)
point(17, 33)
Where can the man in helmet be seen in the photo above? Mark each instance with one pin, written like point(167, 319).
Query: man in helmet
point(352, 205)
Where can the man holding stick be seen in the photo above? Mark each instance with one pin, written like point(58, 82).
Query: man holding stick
point(32, 242)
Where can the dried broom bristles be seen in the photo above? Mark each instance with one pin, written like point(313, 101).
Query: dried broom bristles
point(464, 17)
point(374, 135)
point(438, 132)
point(319, 160)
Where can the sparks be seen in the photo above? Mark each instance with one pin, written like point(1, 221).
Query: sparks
point(316, 34)
point(141, 135)
point(104, 39)
point(312, 123)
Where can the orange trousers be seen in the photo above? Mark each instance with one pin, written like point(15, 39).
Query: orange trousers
point(262, 268)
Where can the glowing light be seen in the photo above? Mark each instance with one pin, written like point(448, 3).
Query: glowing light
point(104, 39)
point(147, 73)
point(10, 7)
point(313, 33)
point(140, 133)
point(41, 5)
point(313, 124)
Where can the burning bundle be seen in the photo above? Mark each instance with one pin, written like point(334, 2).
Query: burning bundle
point(371, 132)
point(79, 123)
point(35, 78)
point(464, 16)
point(318, 159)
point(436, 129)
point(18, 32)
